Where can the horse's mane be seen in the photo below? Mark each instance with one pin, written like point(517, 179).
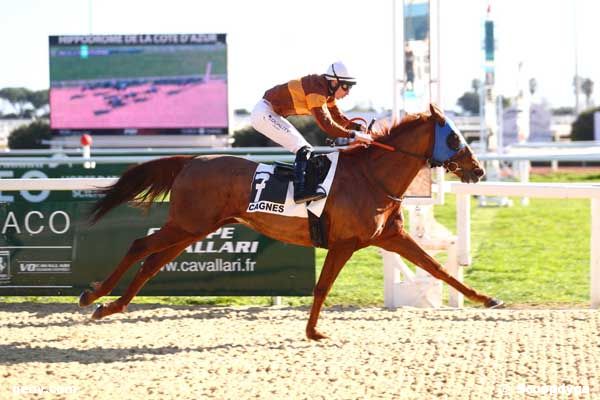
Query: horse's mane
point(386, 128)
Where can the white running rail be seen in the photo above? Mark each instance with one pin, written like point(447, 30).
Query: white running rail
point(464, 191)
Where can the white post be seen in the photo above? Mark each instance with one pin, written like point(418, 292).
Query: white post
point(524, 168)
point(86, 145)
point(87, 153)
point(391, 276)
point(595, 253)
point(463, 227)
point(440, 177)
point(455, 298)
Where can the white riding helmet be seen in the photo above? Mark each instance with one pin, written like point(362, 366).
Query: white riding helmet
point(338, 70)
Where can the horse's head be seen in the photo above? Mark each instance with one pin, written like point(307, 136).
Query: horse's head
point(451, 150)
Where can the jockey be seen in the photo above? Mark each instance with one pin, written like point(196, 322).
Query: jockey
point(314, 95)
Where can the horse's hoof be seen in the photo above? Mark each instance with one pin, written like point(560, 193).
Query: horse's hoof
point(98, 312)
point(316, 335)
point(494, 303)
point(85, 298)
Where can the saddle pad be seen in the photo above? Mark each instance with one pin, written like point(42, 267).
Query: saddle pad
point(274, 195)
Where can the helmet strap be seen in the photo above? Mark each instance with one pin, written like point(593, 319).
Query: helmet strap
point(333, 87)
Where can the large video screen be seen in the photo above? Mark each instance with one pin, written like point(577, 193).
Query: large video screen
point(138, 84)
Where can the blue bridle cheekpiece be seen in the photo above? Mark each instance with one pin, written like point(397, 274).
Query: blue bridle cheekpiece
point(442, 151)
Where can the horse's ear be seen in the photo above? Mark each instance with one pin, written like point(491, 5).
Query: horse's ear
point(437, 113)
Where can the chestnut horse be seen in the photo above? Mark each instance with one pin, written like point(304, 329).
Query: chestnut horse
point(363, 208)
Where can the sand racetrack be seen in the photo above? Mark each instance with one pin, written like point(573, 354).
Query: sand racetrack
point(159, 352)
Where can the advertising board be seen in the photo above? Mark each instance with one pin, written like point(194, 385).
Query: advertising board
point(47, 246)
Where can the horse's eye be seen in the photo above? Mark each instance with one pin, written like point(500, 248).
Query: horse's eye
point(453, 141)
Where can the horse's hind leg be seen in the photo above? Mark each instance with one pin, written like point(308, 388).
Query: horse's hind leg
point(151, 267)
point(404, 245)
point(141, 248)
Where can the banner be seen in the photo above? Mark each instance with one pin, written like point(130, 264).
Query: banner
point(48, 248)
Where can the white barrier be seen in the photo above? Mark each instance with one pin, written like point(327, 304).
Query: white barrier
point(559, 145)
point(155, 151)
point(464, 191)
point(9, 184)
point(463, 208)
point(576, 155)
point(112, 156)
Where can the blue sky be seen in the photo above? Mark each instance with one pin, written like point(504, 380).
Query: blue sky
point(270, 42)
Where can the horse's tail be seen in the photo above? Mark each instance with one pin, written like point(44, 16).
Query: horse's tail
point(142, 183)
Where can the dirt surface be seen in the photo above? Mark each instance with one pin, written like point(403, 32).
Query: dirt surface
point(158, 352)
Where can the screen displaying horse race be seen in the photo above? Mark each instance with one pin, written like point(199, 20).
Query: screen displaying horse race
point(138, 84)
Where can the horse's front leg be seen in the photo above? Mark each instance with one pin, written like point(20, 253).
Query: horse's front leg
point(336, 258)
point(403, 244)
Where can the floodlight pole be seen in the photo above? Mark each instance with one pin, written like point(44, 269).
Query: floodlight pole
point(397, 37)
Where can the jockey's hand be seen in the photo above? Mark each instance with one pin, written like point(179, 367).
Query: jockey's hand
point(361, 137)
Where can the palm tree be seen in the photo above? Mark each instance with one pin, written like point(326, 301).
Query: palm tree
point(532, 86)
point(587, 86)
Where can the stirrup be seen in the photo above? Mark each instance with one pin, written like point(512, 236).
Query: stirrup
point(306, 197)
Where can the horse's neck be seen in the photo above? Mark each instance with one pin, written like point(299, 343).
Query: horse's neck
point(395, 170)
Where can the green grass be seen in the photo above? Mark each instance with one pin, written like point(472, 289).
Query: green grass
point(522, 254)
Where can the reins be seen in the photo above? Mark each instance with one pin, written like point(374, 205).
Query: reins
point(449, 164)
point(387, 146)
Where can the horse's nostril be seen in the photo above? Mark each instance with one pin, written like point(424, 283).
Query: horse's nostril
point(479, 172)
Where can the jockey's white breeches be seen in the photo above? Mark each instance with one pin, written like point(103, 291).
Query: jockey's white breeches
point(276, 128)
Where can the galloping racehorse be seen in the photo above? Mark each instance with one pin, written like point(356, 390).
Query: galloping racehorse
point(363, 208)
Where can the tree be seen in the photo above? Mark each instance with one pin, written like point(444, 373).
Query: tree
point(20, 98)
point(17, 97)
point(532, 86)
point(241, 111)
point(563, 111)
point(30, 136)
point(583, 127)
point(469, 101)
point(587, 87)
point(38, 98)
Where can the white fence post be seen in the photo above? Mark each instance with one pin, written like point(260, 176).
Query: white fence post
point(595, 253)
point(524, 169)
point(391, 276)
point(455, 298)
point(463, 227)
point(440, 178)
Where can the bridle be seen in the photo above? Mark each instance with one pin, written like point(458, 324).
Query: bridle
point(449, 164)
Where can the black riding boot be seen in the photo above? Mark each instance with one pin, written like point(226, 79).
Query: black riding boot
point(300, 193)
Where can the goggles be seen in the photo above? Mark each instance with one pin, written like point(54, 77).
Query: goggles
point(346, 86)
